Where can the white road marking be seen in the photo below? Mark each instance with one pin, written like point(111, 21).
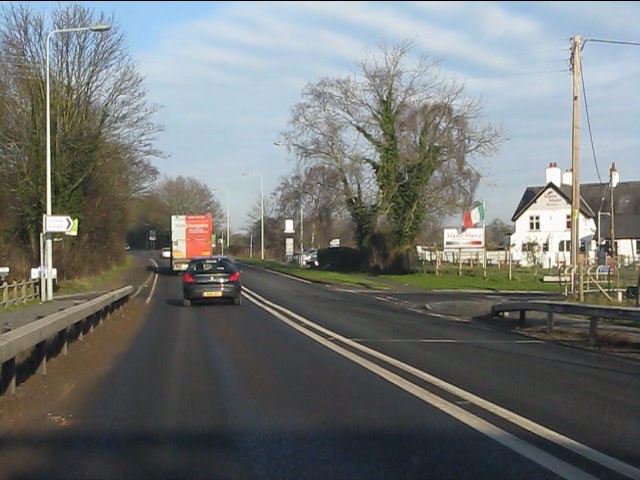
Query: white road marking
point(382, 299)
point(146, 282)
point(290, 276)
point(155, 281)
point(440, 340)
point(529, 451)
point(142, 286)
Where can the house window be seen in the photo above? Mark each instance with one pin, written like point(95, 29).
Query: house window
point(568, 222)
point(527, 247)
point(637, 247)
point(545, 247)
point(564, 246)
point(534, 222)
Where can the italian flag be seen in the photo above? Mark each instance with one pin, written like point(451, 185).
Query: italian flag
point(473, 216)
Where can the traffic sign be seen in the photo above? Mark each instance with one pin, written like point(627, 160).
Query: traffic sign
point(57, 223)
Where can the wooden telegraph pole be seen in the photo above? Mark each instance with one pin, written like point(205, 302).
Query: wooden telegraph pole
point(575, 150)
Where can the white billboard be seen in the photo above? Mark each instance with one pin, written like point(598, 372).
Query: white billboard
point(455, 238)
point(288, 246)
point(288, 226)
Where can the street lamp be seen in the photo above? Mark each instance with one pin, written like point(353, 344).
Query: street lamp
point(49, 243)
point(600, 213)
point(261, 210)
point(614, 179)
point(225, 190)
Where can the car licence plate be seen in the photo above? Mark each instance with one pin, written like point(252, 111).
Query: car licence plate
point(212, 294)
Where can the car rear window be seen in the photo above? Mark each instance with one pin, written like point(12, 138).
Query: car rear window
point(211, 266)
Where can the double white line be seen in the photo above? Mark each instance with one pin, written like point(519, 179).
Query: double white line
point(535, 454)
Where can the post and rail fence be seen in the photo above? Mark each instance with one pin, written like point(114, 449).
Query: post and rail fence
point(18, 292)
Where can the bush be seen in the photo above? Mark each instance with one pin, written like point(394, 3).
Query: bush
point(403, 261)
point(340, 259)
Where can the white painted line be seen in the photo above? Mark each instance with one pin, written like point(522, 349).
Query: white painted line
point(544, 459)
point(155, 281)
point(289, 276)
point(364, 290)
point(442, 340)
point(144, 284)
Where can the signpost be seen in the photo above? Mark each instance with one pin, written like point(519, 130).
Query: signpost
point(58, 223)
point(52, 224)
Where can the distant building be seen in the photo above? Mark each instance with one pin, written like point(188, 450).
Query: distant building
point(543, 221)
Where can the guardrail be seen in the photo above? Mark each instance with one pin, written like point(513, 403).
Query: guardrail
point(57, 328)
point(593, 312)
point(18, 292)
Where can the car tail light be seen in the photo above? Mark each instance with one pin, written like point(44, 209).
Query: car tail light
point(234, 277)
point(187, 278)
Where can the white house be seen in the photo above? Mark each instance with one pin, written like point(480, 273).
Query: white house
point(543, 220)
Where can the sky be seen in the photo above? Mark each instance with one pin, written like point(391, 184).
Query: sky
point(226, 75)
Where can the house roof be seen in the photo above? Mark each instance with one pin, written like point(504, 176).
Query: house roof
point(532, 194)
point(596, 197)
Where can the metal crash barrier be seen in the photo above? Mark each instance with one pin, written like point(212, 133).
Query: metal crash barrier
point(33, 339)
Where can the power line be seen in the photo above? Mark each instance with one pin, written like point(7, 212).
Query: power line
point(617, 42)
point(519, 74)
point(584, 91)
point(586, 108)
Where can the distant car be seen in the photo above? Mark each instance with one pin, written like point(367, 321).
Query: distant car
point(211, 278)
point(310, 257)
point(166, 252)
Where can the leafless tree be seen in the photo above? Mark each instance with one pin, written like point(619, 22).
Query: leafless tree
point(313, 189)
point(273, 223)
point(496, 231)
point(401, 138)
point(102, 130)
point(187, 196)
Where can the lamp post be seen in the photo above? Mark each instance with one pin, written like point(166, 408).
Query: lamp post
point(228, 219)
point(49, 243)
point(614, 179)
point(301, 232)
point(600, 247)
point(261, 210)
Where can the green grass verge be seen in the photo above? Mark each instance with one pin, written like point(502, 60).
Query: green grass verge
point(96, 282)
point(495, 280)
point(470, 279)
point(334, 278)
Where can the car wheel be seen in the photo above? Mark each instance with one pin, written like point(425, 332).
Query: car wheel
point(237, 300)
point(186, 302)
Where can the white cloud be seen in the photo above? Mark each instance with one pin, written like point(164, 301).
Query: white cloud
point(227, 74)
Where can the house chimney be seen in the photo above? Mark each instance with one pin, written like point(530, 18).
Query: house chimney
point(567, 177)
point(553, 174)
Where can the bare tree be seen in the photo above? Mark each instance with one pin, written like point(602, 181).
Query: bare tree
point(102, 130)
point(496, 230)
point(273, 223)
point(187, 196)
point(401, 138)
point(313, 189)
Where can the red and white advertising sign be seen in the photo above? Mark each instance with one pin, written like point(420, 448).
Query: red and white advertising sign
point(458, 238)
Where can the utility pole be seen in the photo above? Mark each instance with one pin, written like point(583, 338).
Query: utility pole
point(575, 151)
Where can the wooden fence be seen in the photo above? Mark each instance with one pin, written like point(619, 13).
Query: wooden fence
point(18, 292)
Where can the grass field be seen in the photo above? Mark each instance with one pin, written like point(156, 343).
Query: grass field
point(446, 279)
